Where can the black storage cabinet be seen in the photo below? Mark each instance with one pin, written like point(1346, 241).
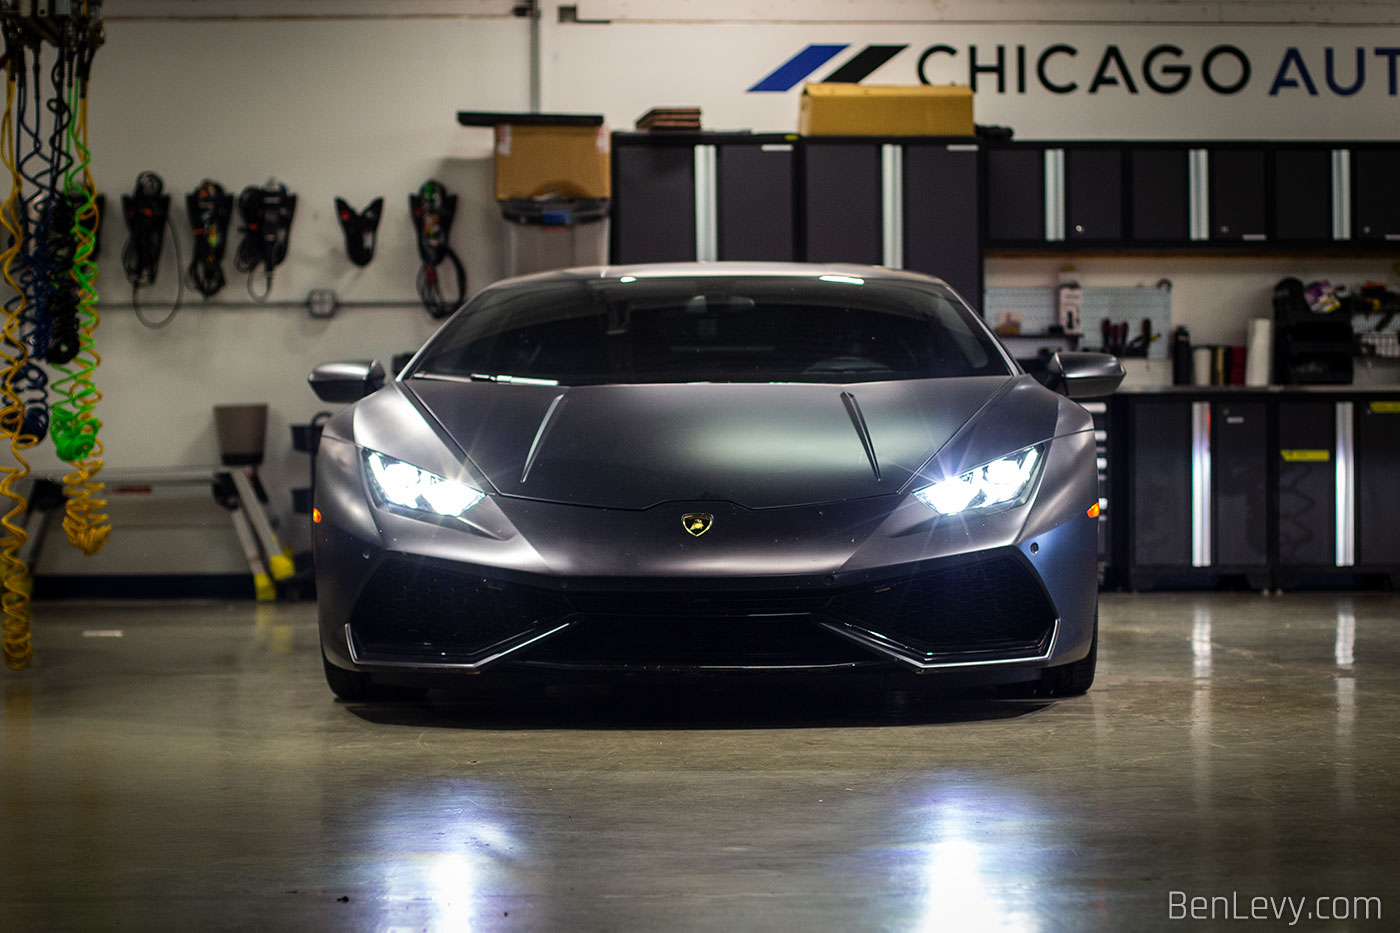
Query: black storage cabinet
point(754, 199)
point(1238, 194)
point(841, 214)
point(1301, 194)
point(1094, 182)
point(1159, 464)
point(1376, 423)
point(1015, 195)
point(1307, 488)
point(1277, 457)
point(653, 199)
point(942, 217)
point(1375, 193)
point(1158, 461)
point(1240, 520)
point(1159, 183)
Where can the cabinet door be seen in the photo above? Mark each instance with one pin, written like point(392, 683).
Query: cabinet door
point(1378, 482)
point(1375, 187)
point(1302, 194)
point(1237, 202)
point(1094, 195)
point(941, 231)
point(653, 216)
point(1306, 483)
point(841, 202)
point(1015, 196)
point(1161, 195)
point(1161, 483)
point(1239, 465)
point(755, 202)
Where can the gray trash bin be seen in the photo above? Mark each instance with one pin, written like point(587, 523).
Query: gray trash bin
point(555, 234)
point(241, 430)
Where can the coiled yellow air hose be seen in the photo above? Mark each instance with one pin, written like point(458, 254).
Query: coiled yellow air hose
point(74, 426)
point(14, 574)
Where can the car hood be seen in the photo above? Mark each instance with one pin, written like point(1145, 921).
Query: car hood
point(760, 446)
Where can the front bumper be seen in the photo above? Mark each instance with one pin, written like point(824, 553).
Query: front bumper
point(874, 582)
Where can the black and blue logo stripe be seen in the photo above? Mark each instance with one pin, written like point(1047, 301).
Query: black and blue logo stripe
point(798, 68)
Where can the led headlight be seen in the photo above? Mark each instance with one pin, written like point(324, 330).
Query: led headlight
point(408, 487)
point(1000, 484)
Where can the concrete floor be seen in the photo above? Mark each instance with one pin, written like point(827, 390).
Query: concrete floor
point(195, 774)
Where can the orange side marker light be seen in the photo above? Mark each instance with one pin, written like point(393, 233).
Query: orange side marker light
point(1093, 511)
point(316, 515)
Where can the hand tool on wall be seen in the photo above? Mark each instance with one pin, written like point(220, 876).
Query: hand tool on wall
point(267, 231)
point(147, 213)
point(359, 228)
point(209, 207)
point(433, 209)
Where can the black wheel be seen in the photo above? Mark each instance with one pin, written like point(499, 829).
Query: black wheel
point(347, 685)
point(1067, 680)
point(355, 686)
point(1073, 679)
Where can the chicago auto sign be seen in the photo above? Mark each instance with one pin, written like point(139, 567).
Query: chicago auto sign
point(1064, 68)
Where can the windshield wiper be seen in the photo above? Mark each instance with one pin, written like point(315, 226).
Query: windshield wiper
point(513, 380)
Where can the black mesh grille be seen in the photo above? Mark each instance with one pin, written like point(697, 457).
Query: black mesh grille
point(990, 605)
point(678, 643)
point(422, 611)
point(427, 611)
point(693, 603)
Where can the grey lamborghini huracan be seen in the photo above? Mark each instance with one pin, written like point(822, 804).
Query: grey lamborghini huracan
point(709, 467)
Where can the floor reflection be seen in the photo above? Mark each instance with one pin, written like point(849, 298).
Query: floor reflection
point(1344, 650)
point(192, 770)
point(965, 877)
point(450, 851)
point(1200, 642)
point(1201, 705)
point(451, 884)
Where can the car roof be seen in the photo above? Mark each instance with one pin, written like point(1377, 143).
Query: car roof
point(661, 270)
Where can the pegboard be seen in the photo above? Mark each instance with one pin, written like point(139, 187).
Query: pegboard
point(1130, 304)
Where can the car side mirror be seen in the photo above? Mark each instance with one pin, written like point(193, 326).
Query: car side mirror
point(1084, 375)
point(349, 381)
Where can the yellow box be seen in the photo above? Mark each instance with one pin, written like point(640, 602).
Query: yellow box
point(885, 110)
point(569, 161)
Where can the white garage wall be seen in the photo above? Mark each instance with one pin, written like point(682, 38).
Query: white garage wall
point(350, 107)
point(357, 98)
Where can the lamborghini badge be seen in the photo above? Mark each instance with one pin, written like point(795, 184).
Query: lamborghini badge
point(697, 523)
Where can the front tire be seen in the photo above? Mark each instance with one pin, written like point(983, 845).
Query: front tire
point(1066, 680)
point(357, 687)
point(1075, 678)
point(347, 685)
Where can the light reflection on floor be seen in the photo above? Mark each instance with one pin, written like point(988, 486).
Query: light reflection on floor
point(966, 886)
point(198, 767)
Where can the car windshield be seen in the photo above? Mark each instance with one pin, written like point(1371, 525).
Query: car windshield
point(833, 328)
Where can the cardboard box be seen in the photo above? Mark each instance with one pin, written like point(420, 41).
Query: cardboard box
point(567, 161)
point(885, 110)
